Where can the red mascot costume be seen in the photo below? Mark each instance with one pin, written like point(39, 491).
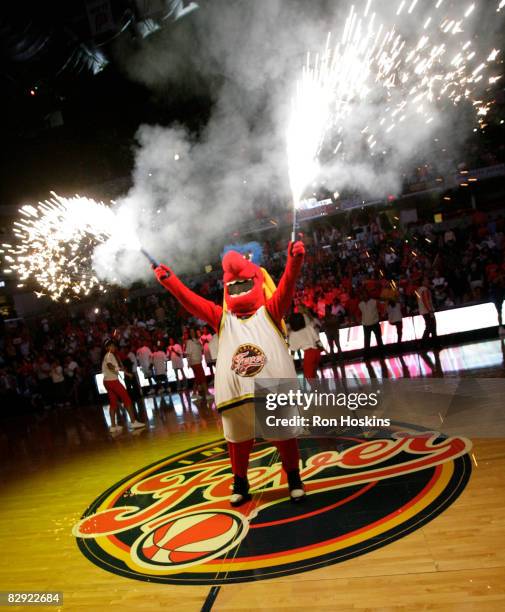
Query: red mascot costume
point(251, 342)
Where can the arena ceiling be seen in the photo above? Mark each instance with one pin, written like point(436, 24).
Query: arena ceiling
point(50, 39)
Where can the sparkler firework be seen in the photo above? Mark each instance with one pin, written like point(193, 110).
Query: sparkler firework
point(382, 72)
point(396, 78)
point(55, 241)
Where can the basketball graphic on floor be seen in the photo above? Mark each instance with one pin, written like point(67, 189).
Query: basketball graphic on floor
point(190, 540)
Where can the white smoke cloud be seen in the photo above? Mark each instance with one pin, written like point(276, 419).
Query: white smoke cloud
point(191, 189)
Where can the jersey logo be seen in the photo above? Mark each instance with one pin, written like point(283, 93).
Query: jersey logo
point(248, 360)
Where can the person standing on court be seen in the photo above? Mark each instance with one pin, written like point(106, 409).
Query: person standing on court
point(370, 321)
point(331, 326)
point(111, 366)
point(176, 354)
point(159, 362)
point(144, 357)
point(194, 354)
point(131, 381)
point(426, 309)
point(395, 318)
point(304, 336)
point(205, 339)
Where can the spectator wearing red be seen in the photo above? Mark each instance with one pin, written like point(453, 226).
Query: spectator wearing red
point(111, 366)
point(194, 354)
point(304, 336)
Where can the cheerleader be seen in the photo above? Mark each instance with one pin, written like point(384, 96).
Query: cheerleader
point(111, 366)
point(303, 335)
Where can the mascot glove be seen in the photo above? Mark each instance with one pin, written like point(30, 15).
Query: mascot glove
point(296, 249)
point(162, 273)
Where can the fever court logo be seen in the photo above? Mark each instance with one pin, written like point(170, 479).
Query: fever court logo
point(171, 522)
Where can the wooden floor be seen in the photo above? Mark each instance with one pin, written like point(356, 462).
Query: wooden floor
point(455, 562)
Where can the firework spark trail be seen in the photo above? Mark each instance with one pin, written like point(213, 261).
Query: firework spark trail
point(55, 241)
point(311, 111)
point(399, 79)
point(403, 80)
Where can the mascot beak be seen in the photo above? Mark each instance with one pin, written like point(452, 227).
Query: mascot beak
point(243, 282)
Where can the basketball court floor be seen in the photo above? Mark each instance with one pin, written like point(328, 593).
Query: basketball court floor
point(141, 521)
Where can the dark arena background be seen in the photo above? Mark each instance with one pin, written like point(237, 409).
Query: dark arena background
point(319, 190)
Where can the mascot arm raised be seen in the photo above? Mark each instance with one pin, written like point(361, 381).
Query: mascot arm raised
point(195, 304)
point(278, 305)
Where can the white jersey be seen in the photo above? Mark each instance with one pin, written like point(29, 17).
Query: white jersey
point(205, 341)
point(174, 352)
point(394, 313)
point(144, 358)
point(369, 312)
point(424, 300)
point(159, 360)
point(194, 352)
point(108, 374)
point(305, 338)
point(249, 348)
point(213, 347)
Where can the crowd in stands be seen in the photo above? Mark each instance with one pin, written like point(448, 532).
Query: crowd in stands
point(463, 264)
point(50, 360)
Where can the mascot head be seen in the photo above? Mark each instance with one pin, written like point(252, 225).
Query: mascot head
point(243, 284)
point(246, 285)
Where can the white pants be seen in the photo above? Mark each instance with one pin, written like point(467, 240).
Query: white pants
point(238, 423)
